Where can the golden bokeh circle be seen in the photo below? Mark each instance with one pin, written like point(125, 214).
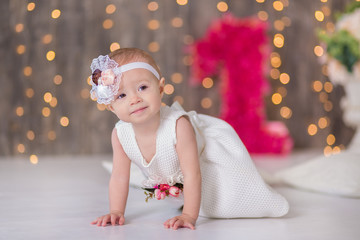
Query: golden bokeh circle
point(19, 111)
point(31, 6)
point(154, 47)
point(108, 23)
point(21, 148)
point(169, 89)
point(46, 111)
point(285, 112)
point(58, 79)
point(207, 82)
point(276, 98)
point(222, 6)
point(319, 15)
point(330, 139)
point(64, 121)
point(322, 122)
point(153, 24)
point(47, 38)
point(274, 73)
point(51, 135)
point(110, 9)
point(29, 92)
point(153, 6)
point(177, 78)
point(327, 151)
point(27, 71)
point(34, 159)
point(182, 2)
point(278, 5)
point(50, 56)
point(20, 49)
point(179, 99)
point(263, 16)
point(19, 27)
point(47, 97)
point(319, 51)
point(53, 103)
point(30, 135)
point(328, 87)
point(278, 40)
point(312, 129)
point(55, 13)
point(206, 103)
point(177, 22)
point(114, 46)
point(284, 78)
point(317, 86)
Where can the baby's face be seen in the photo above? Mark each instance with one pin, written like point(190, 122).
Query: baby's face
point(139, 96)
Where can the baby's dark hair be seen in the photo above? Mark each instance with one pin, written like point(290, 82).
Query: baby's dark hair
point(127, 55)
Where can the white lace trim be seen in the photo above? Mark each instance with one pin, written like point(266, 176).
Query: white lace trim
point(171, 180)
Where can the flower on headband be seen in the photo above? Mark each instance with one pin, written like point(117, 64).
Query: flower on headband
point(107, 77)
point(105, 83)
point(95, 76)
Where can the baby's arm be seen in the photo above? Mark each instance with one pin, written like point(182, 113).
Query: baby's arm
point(186, 148)
point(118, 185)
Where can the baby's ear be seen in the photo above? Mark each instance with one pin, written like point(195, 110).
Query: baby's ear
point(161, 85)
point(109, 107)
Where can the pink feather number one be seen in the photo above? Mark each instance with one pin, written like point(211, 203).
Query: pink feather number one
point(236, 52)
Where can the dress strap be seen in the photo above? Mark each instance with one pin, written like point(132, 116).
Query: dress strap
point(196, 122)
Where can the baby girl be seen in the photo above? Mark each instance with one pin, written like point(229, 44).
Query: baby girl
point(180, 153)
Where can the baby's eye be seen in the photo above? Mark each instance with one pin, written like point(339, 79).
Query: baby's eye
point(143, 87)
point(122, 95)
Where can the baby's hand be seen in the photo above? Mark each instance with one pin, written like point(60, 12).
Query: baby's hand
point(183, 220)
point(112, 218)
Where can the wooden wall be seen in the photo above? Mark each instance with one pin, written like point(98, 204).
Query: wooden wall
point(78, 36)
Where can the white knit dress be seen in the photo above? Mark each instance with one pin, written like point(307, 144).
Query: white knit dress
point(231, 185)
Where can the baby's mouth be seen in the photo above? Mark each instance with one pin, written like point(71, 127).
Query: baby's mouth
point(139, 110)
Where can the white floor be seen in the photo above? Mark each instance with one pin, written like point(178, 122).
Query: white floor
point(60, 196)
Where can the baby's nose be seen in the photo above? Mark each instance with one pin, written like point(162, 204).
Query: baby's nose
point(135, 98)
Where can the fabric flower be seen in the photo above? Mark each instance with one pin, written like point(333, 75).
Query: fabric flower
point(174, 191)
point(164, 187)
point(95, 76)
point(107, 77)
point(103, 92)
point(159, 194)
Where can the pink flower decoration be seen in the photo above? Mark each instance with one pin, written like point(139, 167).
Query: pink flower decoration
point(159, 194)
point(174, 191)
point(107, 77)
point(161, 191)
point(164, 187)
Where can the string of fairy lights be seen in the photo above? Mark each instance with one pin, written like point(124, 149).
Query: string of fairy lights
point(323, 88)
point(50, 102)
point(279, 25)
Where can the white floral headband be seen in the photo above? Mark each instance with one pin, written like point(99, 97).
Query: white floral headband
point(106, 77)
